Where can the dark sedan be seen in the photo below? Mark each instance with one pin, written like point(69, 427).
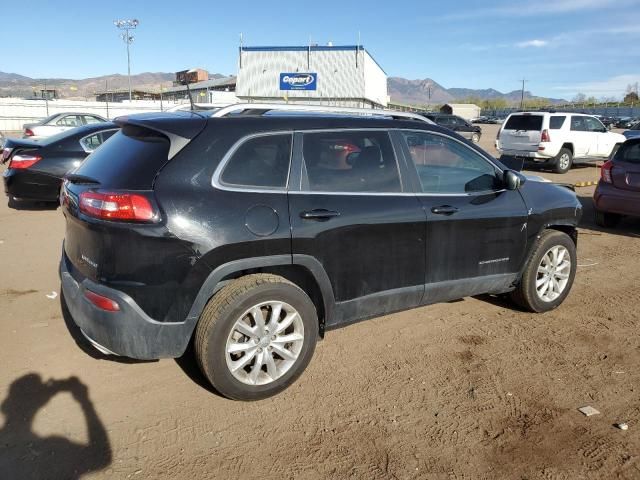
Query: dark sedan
point(36, 167)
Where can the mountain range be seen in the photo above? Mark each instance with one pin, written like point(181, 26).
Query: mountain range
point(401, 90)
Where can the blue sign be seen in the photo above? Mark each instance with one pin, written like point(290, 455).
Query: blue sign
point(298, 81)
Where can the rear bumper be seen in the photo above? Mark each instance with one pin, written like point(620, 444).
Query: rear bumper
point(128, 332)
point(608, 198)
point(527, 155)
point(27, 185)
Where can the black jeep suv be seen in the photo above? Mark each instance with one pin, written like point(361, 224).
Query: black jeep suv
point(249, 235)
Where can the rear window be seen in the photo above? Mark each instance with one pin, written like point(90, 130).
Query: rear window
point(556, 122)
point(629, 152)
point(524, 122)
point(130, 159)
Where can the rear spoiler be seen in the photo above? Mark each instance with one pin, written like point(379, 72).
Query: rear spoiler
point(179, 127)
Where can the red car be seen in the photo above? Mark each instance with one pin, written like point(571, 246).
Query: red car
point(618, 191)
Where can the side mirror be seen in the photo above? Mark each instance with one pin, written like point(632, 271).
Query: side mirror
point(512, 180)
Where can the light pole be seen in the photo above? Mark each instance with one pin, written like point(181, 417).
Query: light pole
point(127, 25)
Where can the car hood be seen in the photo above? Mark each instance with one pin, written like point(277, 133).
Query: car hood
point(536, 178)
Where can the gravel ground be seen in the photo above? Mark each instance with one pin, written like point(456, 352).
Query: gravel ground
point(473, 389)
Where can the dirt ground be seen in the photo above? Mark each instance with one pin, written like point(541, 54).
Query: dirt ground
point(473, 389)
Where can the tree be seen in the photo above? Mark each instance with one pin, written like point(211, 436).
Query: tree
point(631, 97)
point(579, 98)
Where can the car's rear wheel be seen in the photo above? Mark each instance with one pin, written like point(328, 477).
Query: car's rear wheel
point(564, 159)
point(548, 274)
point(256, 336)
point(606, 219)
point(475, 137)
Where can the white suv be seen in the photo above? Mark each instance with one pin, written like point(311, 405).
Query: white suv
point(556, 139)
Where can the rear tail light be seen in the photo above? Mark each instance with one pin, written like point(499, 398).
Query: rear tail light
point(133, 207)
point(545, 137)
point(24, 160)
point(28, 132)
point(605, 172)
point(102, 302)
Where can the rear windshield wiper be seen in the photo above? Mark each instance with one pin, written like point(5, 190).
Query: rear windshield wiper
point(81, 179)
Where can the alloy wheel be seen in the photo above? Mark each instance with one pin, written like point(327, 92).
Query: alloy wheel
point(553, 273)
point(264, 343)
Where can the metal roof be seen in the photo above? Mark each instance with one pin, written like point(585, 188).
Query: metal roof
point(217, 82)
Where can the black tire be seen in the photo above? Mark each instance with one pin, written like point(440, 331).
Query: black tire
point(217, 322)
point(525, 295)
point(605, 219)
point(475, 137)
point(614, 150)
point(563, 161)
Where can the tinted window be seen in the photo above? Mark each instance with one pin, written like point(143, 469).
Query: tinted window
point(556, 122)
point(260, 162)
point(447, 166)
point(629, 152)
point(524, 122)
point(578, 124)
point(349, 161)
point(635, 127)
point(130, 160)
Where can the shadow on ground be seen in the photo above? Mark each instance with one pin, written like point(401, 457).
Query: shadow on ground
point(26, 455)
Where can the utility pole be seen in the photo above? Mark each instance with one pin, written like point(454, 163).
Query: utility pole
point(127, 38)
point(522, 94)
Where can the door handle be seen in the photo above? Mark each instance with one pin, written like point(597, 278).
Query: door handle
point(444, 210)
point(319, 214)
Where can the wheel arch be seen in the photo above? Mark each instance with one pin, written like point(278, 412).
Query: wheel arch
point(304, 271)
point(568, 146)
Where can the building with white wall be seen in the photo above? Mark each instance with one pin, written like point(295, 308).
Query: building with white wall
point(325, 75)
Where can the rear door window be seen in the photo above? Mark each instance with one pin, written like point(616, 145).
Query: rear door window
point(70, 121)
point(524, 122)
point(556, 122)
point(578, 124)
point(349, 161)
point(260, 162)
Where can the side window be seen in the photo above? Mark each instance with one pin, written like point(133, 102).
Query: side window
point(556, 122)
point(349, 161)
point(578, 125)
point(261, 162)
point(593, 125)
point(89, 119)
point(69, 121)
point(90, 143)
point(447, 166)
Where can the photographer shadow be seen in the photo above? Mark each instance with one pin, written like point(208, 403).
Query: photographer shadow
point(26, 455)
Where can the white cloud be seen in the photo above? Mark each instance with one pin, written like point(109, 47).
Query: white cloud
point(533, 43)
point(613, 86)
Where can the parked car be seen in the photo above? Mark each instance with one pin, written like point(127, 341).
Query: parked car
point(606, 121)
point(59, 122)
point(618, 191)
point(555, 140)
point(457, 124)
point(251, 235)
point(634, 131)
point(626, 122)
point(36, 167)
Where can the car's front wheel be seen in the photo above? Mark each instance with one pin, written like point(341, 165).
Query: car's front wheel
point(548, 274)
point(256, 336)
point(475, 137)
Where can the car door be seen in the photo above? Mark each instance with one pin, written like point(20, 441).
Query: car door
point(460, 126)
point(476, 229)
point(601, 144)
point(583, 140)
point(350, 213)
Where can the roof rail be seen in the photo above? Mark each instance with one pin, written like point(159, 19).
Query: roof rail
point(262, 108)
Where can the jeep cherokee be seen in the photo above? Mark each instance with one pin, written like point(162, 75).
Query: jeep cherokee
point(251, 234)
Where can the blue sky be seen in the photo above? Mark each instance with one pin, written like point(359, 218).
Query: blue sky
point(561, 46)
